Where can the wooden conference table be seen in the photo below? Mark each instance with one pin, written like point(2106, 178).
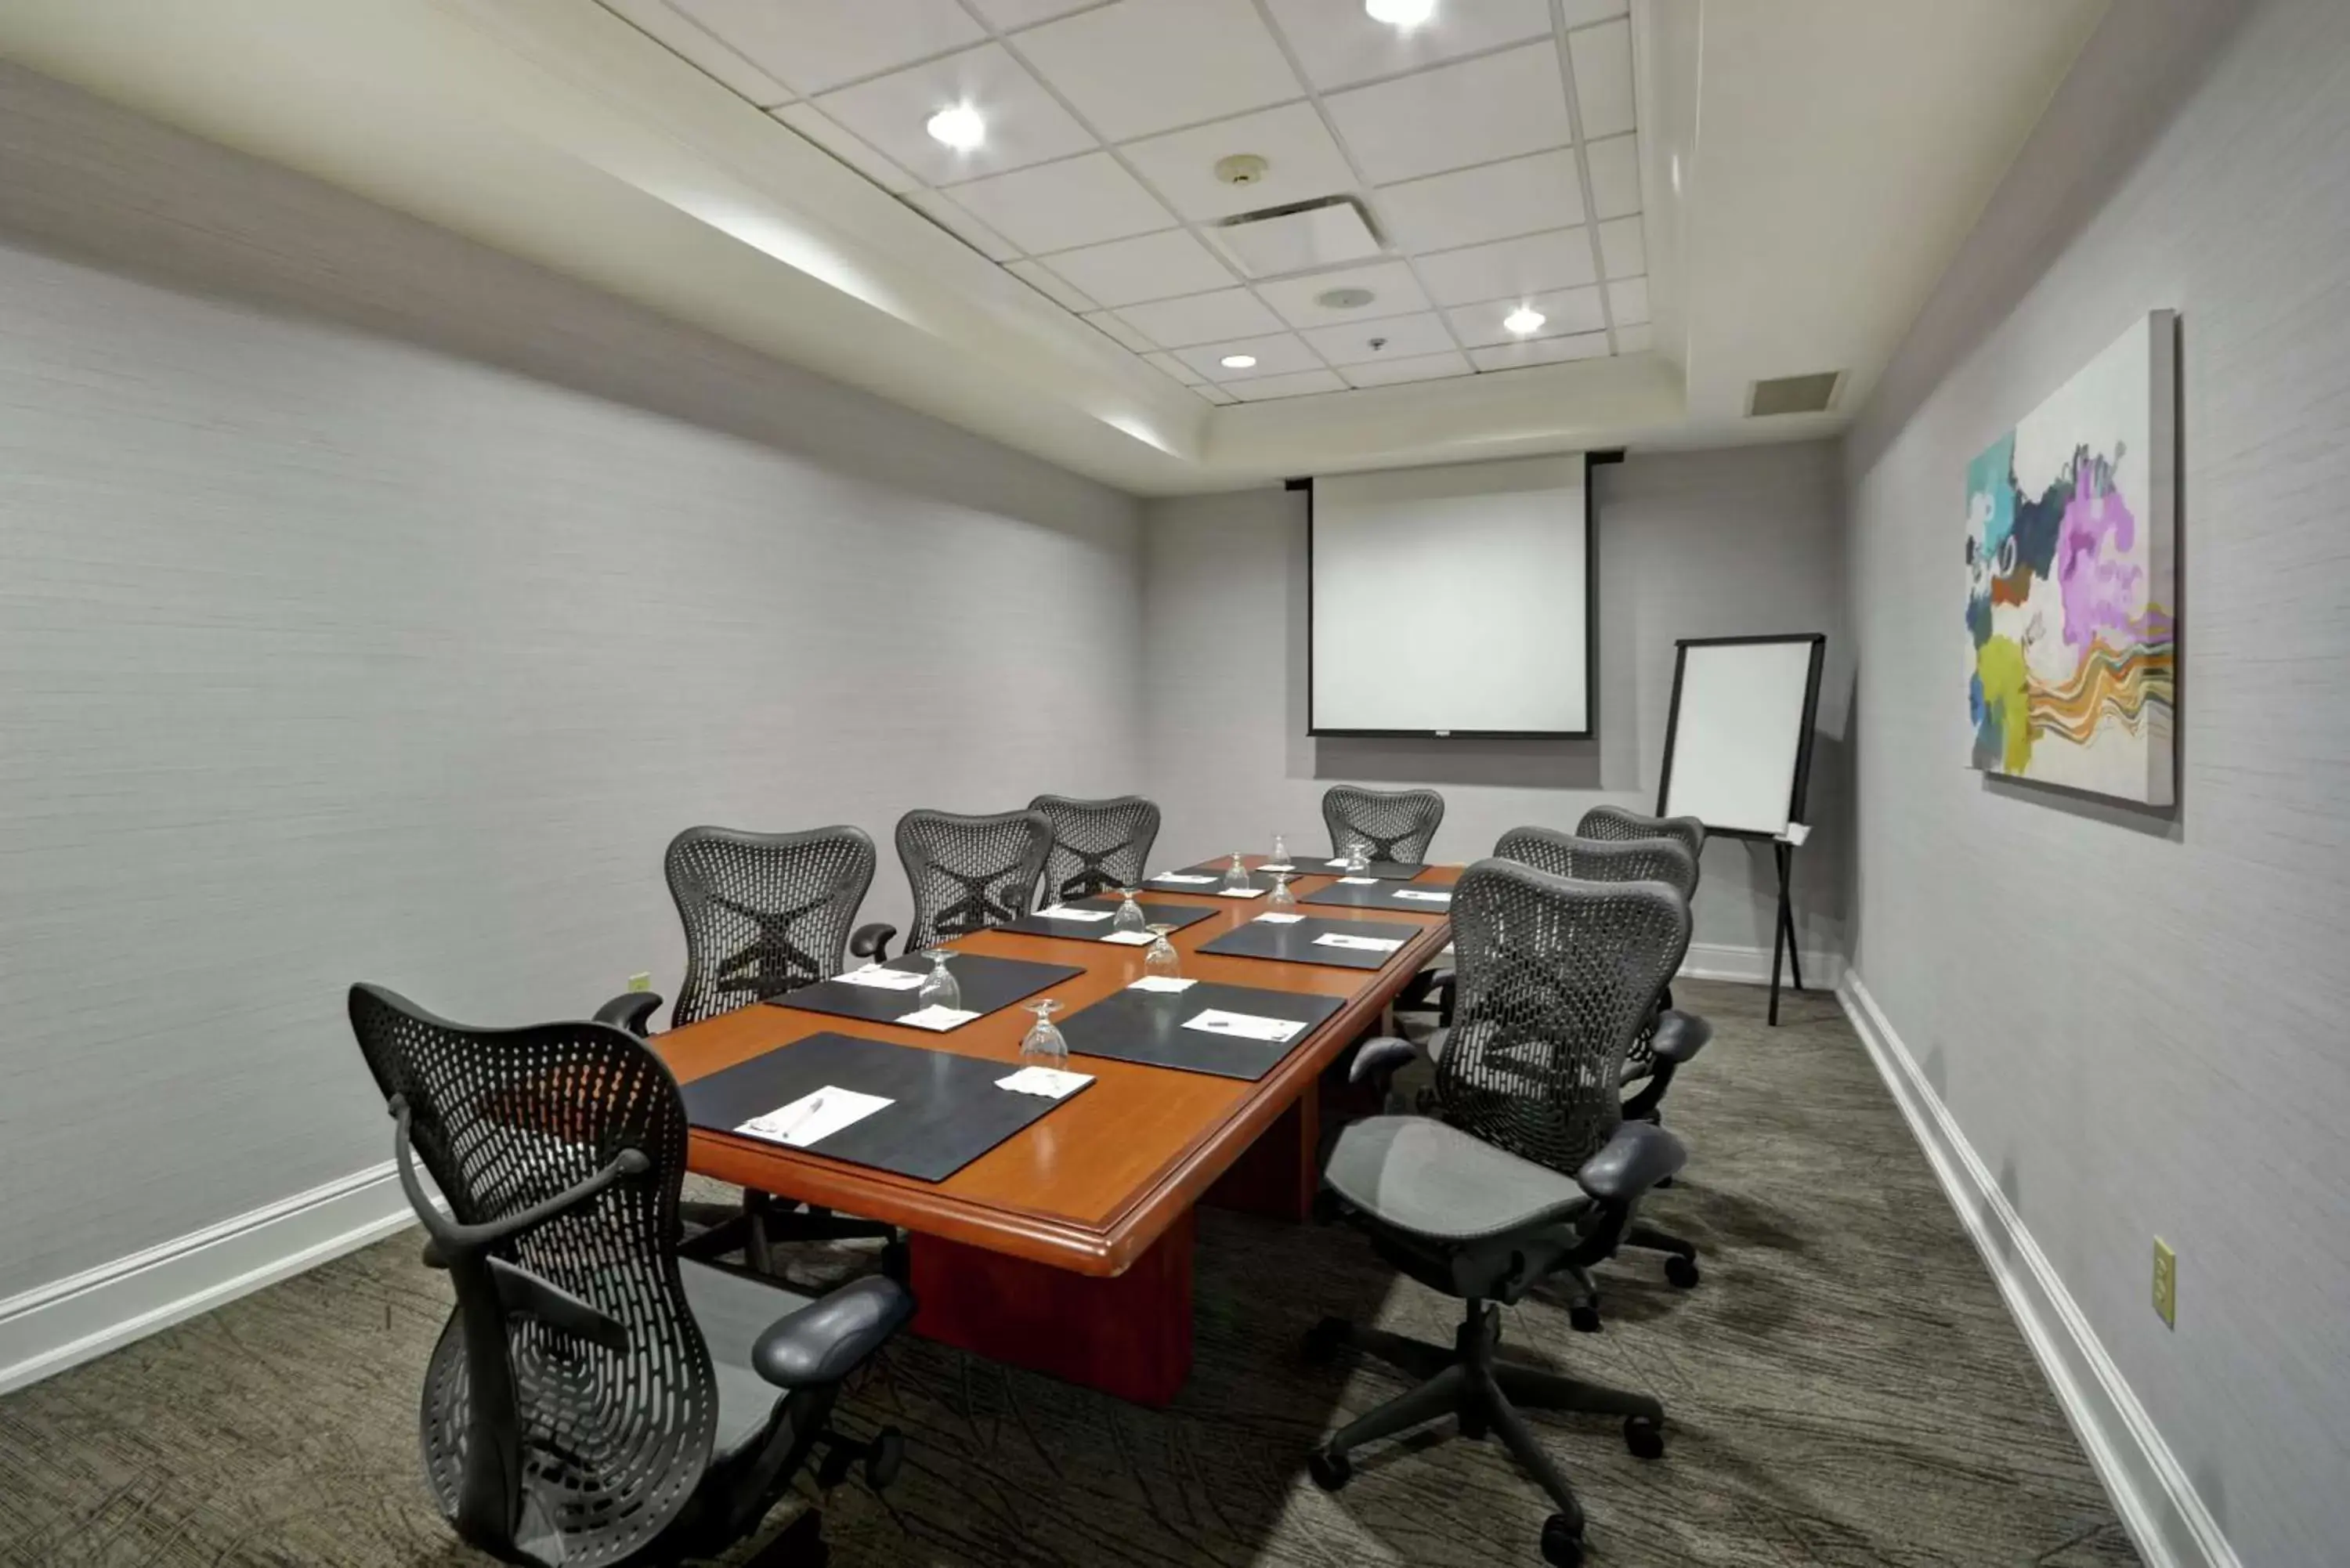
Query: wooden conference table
point(1066, 1249)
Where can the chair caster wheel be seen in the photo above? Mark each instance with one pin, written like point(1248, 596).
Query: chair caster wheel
point(1324, 1340)
point(885, 1457)
point(1330, 1470)
point(1644, 1438)
point(1584, 1317)
point(1681, 1271)
point(1562, 1540)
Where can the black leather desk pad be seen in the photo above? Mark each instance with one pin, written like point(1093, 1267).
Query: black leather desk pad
point(1214, 873)
point(1382, 897)
point(1146, 1026)
point(948, 1113)
point(988, 983)
point(1175, 914)
point(1292, 943)
point(1385, 870)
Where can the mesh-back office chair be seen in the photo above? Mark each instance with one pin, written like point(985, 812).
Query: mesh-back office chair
point(967, 873)
point(594, 1398)
point(1099, 845)
point(1677, 1030)
point(1528, 1168)
point(1399, 825)
point(1615, 822)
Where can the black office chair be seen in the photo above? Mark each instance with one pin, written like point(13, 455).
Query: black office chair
point(594, 1397)
point(1682, 1031)
point(1399, 825)
point(967, 873)
point(1099, 845)
point(1617, 822)
point(1531, 1168)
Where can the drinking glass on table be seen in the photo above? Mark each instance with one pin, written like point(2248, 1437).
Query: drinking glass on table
point(1279, 851)
point(940, 987)
point(1358, 858)
point(1044, 1042)
point(1281, 897)
point(1129, 917)
point(1162, 959)
point(1236, 875)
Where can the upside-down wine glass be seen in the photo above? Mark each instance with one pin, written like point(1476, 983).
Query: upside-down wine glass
point(1044, 1042)
point(1358, 858)
point(1236, 875)
point(1281, 898)
point(1162, 959)
point(1279, 851)
point(1129, 917)
point(940, 987)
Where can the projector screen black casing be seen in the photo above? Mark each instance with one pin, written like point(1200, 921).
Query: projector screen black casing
point(1590, 638)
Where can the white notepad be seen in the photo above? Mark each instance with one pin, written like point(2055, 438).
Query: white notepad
point(1240, 892)
point(882, 979)
point(1422, 894)
point(941, 1019)
point(1361, 944)
point(1049, 1082)
point(1130, 939)
point(1182, 876)
point(1163, 983)
point(1276, 920)
point(1245, 1026)
point(813, 1117)
point(1276, 866)
point(1063, 912)
point(1358, 881)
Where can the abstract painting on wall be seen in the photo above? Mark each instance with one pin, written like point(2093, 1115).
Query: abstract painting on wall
point(2070, 533)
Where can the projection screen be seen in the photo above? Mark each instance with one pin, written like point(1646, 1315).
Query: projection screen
point(1451, 601)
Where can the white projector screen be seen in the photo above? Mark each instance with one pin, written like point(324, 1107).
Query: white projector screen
point(1740, 740)
point(1451, 601)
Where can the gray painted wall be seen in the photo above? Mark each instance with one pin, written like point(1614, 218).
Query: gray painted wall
point(2138, 1020)
point(1688, 545)
point(374, 605)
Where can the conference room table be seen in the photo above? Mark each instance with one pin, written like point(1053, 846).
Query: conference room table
point(1066, 1249)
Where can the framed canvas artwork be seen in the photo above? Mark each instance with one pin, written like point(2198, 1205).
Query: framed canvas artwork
point(2072, 658)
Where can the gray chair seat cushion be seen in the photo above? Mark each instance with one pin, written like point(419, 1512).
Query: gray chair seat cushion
point(1421, 1176)
point(733, 1312)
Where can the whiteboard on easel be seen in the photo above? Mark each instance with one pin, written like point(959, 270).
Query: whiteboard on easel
point(1739, 743)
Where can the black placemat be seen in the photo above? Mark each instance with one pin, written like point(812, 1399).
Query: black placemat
point(1157, 914)
point(988, 984)
point(1385, 870)
point(1146, 1026)
point(1382, 896)
point(1293, 942)
point(1216, 868)
point(947, 1112)
point(1207, 889)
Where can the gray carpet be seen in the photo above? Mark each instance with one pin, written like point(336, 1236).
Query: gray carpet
point(1844, 1388)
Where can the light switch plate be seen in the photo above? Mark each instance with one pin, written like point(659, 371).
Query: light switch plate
point(2166, 1283)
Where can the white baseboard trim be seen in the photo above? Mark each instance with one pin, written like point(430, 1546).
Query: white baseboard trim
point(61, 1324)
point(1751, 966)
point(2157, 1503)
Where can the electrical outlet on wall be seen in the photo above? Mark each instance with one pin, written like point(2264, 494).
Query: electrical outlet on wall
point(640, 982)
point(2166, 1283)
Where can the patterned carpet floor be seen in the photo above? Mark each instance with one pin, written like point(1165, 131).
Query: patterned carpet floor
point(1844, 1388)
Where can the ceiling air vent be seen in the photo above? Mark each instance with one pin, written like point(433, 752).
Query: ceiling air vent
point(1794, 395)
point(1297, 238)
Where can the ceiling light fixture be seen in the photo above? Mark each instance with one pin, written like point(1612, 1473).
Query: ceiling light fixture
point(1526, 318)
point(960, 127)
point(1404, 14)
point(1238, 361)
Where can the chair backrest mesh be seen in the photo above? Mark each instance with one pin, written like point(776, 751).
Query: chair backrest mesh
point(1556, 979)
point(612, 1442)
point(1665, 860)
point(1099, 845)
point(968, 873)
point(1621, 822)
point(764, 912)
point(1399, 825)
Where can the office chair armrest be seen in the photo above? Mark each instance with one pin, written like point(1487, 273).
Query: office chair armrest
point(632, 1010)
point(1377, 1061)
point(1680, 1036)
point(831, 1336)
point(1639, 1156)
point(871, 941)
point(453, 1241)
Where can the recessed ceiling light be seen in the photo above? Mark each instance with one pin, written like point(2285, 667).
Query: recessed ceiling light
point(1526, 318)
point(959, 127)
point(1238, 361)
point(1404, 14)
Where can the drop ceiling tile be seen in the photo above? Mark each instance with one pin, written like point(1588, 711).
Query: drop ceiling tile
point(1506, 269)
point(1004, 16)
point(1167, 364)
point(1583, 13)
point(1474, 113)
point(943, 212)
point(1541, 351)
point(1337, 44)
point(686, 39)
point(1401, 338)
point(1281, 354)
point(1567, 311)
point(1060, 206)
point(1024, 124)
point(1302, 162)
point(1632, 340)
point(1623, 253)
point(1421, 368)
point(1628, 301)
point(1615, 176)
point(812, 46)
point(819, 127)
point(1264, 389)
point(1203, 317)
point(1603, 78)
point(1041, 278)
point(1468, 206)
point(1124, 336)
point(1214, 393)
point(1143, 65)
point(1393, 292)
point(1148, 266)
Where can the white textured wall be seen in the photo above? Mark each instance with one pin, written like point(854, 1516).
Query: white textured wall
point(2138, 1020)
point(372, 605)
point(1688, 545)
